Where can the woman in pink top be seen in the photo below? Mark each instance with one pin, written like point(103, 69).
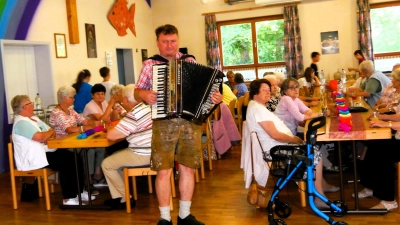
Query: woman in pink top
point(291, 110)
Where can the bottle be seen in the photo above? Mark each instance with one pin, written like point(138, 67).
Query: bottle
point(38, 104)
point(343, 77)
point(322, 77)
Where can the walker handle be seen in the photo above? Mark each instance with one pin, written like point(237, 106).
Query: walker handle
point(314, 125)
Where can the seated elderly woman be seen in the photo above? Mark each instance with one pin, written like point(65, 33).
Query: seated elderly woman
point(116, 97)
point(136, 128)
point(240, 87)
point(391, 94)
point(98, 109)
point(30, 135)
point(291, 110)
point(272, 131)
point(66, 120)
point(275, 94)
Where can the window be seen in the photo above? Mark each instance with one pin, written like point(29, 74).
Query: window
point(385, 32)
point(252, 46)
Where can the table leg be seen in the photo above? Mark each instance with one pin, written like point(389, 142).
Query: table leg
point(355, 176)
point(77, 175)
point(340, 172)
point(87, 175)
point(356, 210)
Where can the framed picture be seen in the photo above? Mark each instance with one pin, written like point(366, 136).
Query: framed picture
point(144, 54)
point(91, 40)
point(330, 42)
point(60, 45)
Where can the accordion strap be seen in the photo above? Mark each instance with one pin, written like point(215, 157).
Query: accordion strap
point(162, 59)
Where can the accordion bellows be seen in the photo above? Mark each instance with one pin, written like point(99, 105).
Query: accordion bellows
point(184, 90)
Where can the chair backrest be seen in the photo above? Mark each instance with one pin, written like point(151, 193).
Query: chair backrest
point(232, 106)
point(246, 98)
point(240, 103)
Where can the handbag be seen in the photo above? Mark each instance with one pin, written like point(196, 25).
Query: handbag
point(257, 194)
point(29, 192)
point(252, 195)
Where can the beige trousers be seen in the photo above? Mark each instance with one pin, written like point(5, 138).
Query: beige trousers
point(112, 164)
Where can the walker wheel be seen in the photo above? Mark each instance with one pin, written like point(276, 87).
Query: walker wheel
point(342, 206)
point(282, 209)
point(341, 223)
point(277, 222)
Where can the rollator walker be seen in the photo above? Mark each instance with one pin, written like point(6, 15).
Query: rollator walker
point(289, 162)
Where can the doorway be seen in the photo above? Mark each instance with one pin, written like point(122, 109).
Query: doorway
point(126, 74)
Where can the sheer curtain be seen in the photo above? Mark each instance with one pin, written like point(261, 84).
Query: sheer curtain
point(364, 28)
point(292, 41)
point(212, 44)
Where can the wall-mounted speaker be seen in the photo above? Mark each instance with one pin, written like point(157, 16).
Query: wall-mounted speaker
point(183, 50)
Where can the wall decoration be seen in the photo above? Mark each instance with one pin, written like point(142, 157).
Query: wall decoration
point(91, 40)
point(16, 17)
point(122, 19)
point(330, 42)
point(60, 44)
point(144, 54)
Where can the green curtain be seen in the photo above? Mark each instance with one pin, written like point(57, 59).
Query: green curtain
point(292, 42)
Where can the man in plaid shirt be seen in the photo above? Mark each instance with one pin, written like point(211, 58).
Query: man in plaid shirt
point(172, 136)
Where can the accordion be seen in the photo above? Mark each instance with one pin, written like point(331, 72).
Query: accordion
point(184, 90)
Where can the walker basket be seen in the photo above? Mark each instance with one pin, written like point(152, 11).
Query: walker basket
point(285, 159)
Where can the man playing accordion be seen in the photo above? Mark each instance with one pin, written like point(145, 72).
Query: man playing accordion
point(172, 135)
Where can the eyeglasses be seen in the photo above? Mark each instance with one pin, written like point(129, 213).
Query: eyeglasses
point(265, 89)
point(294, 88)
point(30, 103)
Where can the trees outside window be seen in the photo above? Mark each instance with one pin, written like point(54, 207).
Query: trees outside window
point(252, 45)
point(385, 24)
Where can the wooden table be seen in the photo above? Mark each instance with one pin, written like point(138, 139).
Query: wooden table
point(96, 140)
point(362, 131)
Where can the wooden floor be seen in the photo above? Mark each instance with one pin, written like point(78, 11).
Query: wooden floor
point(220, 199)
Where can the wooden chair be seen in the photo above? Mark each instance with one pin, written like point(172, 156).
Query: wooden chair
point(142, 171)
point(232, 106)
point(302, 184)
point(45, 172)
point(206, 127)
point(240, 102)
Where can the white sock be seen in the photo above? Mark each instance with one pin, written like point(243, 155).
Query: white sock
point(165, 212)
point(184, 208)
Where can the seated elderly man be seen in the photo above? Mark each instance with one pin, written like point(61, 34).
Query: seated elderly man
point(375, 84)
point(30, 136)
point(136, 128)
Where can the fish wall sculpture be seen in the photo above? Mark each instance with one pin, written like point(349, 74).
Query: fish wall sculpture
point(121, 18)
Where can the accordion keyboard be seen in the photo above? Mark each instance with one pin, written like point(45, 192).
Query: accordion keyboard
point(159, 109)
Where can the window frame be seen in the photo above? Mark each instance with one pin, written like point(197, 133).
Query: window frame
point(256, 66)
point(385, 5)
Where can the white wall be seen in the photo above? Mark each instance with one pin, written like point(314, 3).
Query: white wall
point(51, 17)
point(316, 16)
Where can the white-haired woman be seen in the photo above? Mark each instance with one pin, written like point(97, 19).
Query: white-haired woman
point(275, 92)
point(65, 120)
point(115, 99)
point(30, 136)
